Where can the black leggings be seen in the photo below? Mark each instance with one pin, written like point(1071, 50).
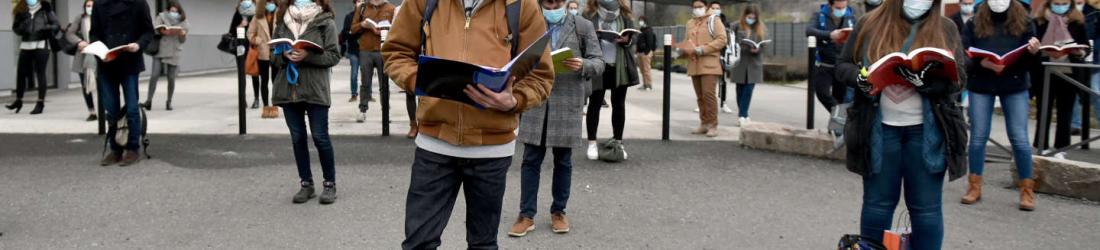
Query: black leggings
point(829, 91)
point(259, 83)
point(618, 107)
point(31, 66)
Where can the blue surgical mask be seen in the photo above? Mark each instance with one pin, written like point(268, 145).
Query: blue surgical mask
point(750, 21)
point(1060, 9)
point(553, 16)
point(575, 12)
point(916, 8)
point(303, 3)
point(32, 2)
point(88, 10)
point(247, 4)
point(966, 8)
point(874, 2)
point(174, 15)
point(270, 7)
point(840, 12)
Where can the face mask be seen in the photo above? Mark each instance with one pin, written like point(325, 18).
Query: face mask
point(553, 16)
point(840, 12)
point(641, 23)
point(302, 4)
point(247, 5)
point(173, 15)
point(716, 11)
point(1080, 7)
point(574, 12)
point(750, 21)
point(1060, 9)
point(916, 8)
point(270, 7)
point(32, 2)
point(999, 6)
point(699, 12)
point(874, 2)
point(612, 5)
point(88, 10)
point(966, 8)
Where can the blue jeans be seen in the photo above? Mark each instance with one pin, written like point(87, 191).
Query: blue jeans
point(1016, 110)
point(109, 85)
point(744, 98)
point(354, 59)
point(529, 178)
point(295, 114)
point(902, 165)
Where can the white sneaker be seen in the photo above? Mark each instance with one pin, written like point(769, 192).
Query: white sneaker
point(362, 117)
point(623, 147)
point(1061, 156)
point(742, 121)
point(593, 152)
point(726, 109)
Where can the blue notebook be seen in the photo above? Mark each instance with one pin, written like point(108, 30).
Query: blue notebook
point(446, 79)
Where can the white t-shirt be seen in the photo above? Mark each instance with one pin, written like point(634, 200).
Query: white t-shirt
point(901, 106)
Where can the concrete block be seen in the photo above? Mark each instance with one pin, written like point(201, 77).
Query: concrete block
point(787, 139)
point(1065, 177)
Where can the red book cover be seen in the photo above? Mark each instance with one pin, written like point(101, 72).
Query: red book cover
point(881, 73)
point(1004, 60)
point(844, 33)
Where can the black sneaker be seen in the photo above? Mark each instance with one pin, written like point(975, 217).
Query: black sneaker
point(328, 196)
point(305, 194)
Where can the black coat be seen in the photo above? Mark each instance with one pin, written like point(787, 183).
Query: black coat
point(1080, 36)
point(42, 26)
point(120, 22)
point(821, 26)
point(1014, 77)
point(647, 42)
point(349, 43)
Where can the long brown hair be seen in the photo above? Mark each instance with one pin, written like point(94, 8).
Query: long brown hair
point(325, 6)
point(1016, 23)
point(261, 9)
point(21, 7)
point(758, 28)
point(176, 3)
point(83, 12)
point(885, 28)
point(592, 6)
point(1040, 13)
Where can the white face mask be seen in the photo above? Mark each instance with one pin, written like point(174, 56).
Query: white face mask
point(88, 10)
point(1080, 7)
point(916, 8)
point(999, 6)
point(699, 12)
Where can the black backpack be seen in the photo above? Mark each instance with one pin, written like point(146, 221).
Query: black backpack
point(511, 11)
point(123, 131)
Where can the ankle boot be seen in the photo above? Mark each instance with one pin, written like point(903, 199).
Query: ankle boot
point(148, 105)
point(973, 190)
point(38, 106)
point(17, 106)
point(168, 105)
point(1027, 195)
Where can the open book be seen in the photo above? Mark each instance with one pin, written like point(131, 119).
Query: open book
point(754, 44)
point(297, 44)
point(169, 30)
point(999, 59)
point(881, 73)
point(100, 50)
point(559, 60)
point(613, 35)
point(384, 24)
point(844, 33)
point(1063, 48)
point(446, 79)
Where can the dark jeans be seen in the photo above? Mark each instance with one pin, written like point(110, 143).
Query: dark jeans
point(88, 100)
point(171, 71)
point(829, 91)
point(372, 64)
point(532, 167)
point(902, 165)
point(618, 107)
point(31, 67)
point(295, 114)
point(744, 98)
point(433, 189)
point(109, 85)
point(353, 59)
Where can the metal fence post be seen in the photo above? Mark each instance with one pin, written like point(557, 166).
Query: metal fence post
point(665, 108)
point(811, 50)
point(1044, 115)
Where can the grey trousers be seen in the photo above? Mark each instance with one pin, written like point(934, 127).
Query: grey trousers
point(371, 63)
point(154, 76)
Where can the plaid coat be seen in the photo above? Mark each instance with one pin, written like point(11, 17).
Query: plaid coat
point(560, 115)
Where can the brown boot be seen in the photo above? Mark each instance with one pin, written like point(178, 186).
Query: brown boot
point(559, 223)
point(1027, 195)
point(413, 130)
point(274, 112)
point(130, 157)
point(973, 190)
point(522, 226)
point(111, 159)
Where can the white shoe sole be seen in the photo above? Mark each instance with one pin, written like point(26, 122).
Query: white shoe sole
point(561, 231)
point(524, 233)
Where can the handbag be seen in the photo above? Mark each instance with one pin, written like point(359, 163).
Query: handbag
point(154, 46)
point(228, 44)
point(60, 43)
point(252, 63)
point(899, 237)
point(856, 242)
point(612, 151)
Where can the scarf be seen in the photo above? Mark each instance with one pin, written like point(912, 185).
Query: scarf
point(298, 19)
point(1057, 33)
point(607, 17)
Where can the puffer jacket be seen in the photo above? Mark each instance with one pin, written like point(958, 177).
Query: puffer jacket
point(38, 27)
point(315, 72)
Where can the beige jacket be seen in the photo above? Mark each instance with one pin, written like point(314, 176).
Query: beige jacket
point(259, 33)
point(699, 34)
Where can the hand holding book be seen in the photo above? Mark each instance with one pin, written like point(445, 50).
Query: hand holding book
point(503, 101)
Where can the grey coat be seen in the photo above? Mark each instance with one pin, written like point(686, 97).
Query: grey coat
point(560, 116)
point(315, 71)
point(170, 46)
point(750, 69)
point(75, 35)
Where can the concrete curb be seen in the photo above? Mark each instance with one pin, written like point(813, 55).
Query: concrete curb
point(787, 139)
point(1066, 177)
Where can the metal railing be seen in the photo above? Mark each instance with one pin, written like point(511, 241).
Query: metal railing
point(1044, 112)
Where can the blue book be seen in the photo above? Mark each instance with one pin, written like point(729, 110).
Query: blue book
point(446, 79)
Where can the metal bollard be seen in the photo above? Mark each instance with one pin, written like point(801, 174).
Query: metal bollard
point(241, 102)
point(668, 87)
point(811, 48)
point(384, 94)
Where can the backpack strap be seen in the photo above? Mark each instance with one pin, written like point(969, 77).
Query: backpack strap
point(512, 12)
point(426, 18)
point(710, 25)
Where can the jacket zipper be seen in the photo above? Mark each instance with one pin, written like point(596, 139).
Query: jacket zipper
point(469, 11)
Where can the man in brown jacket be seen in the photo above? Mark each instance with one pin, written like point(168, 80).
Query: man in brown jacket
point(370, 46)
point(459, 145)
